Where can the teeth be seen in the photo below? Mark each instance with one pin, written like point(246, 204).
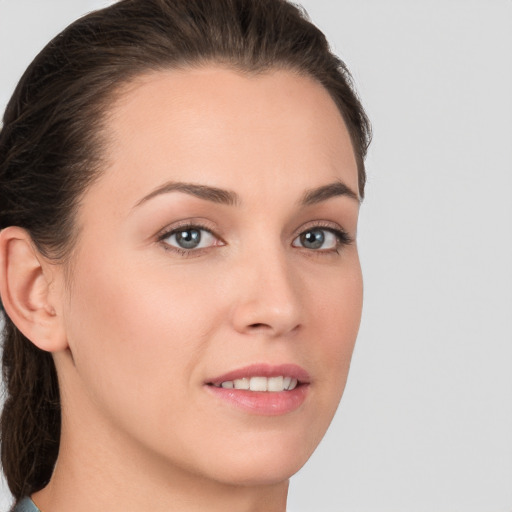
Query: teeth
point(258, 384)
point(275, 384)
point(293, 384)
point(241, 383)
point(271, 384)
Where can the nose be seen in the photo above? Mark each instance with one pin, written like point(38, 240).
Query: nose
point(268, 297)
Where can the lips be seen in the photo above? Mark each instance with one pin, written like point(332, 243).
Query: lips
point(262, 389)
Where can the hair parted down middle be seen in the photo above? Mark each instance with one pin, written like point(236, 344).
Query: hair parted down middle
point(52, 145)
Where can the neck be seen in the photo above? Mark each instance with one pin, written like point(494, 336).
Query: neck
point(88, 486)
point(88, 494)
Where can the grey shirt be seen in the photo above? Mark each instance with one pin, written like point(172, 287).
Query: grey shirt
point(26, 505)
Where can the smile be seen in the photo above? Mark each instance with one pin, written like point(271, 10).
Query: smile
point(262, 389)
point(271, 384)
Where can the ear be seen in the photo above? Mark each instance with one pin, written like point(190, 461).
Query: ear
point(28, 291)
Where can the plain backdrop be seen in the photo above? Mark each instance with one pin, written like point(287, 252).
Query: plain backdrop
point(426, 421)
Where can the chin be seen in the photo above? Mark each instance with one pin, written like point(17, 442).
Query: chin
point(263, 461)
point(254, 474)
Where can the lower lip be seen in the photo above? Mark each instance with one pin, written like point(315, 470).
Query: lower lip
point(266, 403)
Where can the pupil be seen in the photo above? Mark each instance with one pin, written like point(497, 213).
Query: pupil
point(313, 239)
point(188, 239)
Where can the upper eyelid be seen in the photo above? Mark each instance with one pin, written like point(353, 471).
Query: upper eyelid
point(321, 224)
point(187, 224)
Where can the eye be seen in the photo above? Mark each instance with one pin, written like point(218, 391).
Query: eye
point(189, 238)
point(321, 239)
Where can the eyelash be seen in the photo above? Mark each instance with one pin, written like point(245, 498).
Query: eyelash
point(180, 229)
point(342, 238)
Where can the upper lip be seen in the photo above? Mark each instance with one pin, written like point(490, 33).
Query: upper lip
point(263, 370)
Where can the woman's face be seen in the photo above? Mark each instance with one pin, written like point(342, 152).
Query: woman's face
point(216, 252)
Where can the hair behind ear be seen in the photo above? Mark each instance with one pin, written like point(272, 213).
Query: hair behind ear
point(29, 450)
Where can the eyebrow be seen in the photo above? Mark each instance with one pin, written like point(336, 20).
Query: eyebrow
point(214, 194)
point(317, 195)
point(230, 198)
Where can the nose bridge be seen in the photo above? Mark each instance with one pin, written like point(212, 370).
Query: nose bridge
point(268, 292)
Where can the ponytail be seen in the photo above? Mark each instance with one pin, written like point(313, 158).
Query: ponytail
point(30, 421)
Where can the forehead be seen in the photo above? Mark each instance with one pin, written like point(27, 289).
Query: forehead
point(219, 127)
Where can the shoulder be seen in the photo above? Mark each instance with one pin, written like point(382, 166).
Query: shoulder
point(25, 505)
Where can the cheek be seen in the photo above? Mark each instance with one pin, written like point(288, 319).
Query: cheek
point(337, 307)
point(337, 304)
point(137, 331)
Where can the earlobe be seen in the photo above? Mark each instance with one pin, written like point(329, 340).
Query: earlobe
point(25, 285)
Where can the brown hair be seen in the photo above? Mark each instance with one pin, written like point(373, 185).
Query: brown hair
point(51, 150)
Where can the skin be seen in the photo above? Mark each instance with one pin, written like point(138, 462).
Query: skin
point(143, 326)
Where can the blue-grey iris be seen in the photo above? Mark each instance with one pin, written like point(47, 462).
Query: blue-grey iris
point(189, 238)
point(313, 239)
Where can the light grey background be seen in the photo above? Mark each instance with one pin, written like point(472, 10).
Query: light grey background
point(426, 421)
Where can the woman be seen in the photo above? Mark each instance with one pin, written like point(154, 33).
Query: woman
point(181, 183)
